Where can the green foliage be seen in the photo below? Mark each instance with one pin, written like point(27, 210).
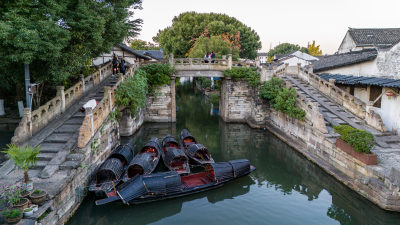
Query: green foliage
point(132, 92)
point(12, 213)
point(281, 98)
point(23, 156)
point(188, 27)
point(217, 44)
point(12, 194)
point(158, 74)
point(95, 146)
point(285, 48)
point(360, 140)
point(58, 38)
point(37, 191)
point(214, 98)
point(250, 74)
point(138, 44)
point(204, 82)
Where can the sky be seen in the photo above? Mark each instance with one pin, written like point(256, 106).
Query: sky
point(279, 21)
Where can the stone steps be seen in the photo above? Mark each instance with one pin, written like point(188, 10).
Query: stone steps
point(45, 156)
point(47, 147)
point(74, 121)
point(58, 138)
point(68, 128)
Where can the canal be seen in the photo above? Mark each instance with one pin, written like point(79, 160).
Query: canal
point(285, 189)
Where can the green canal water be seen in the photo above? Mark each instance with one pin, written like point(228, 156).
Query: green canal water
point(285, 188)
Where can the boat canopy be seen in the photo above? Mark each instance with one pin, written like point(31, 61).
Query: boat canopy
point(174, 153)
point(186, 134)
point(169, 139)
point(111, 169)
point(229, 170)
point(197, 148)
point(153, 143)
point(141, 164)
point(123, 153)
point(154, 184)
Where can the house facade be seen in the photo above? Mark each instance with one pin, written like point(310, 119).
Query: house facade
point(262, 57)
point(131, 56)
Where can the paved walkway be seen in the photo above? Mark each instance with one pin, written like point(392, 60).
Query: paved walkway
point(60, 137)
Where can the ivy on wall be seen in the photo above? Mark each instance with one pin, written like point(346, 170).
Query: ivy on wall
point(250, 74)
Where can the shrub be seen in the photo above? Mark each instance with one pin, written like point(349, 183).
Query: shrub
point(360, 140)
point(214, 98)
point(24, 157)
point(250, 74)
point(158, 74)
point(132, 93)
point(12, 213)
point(205, 82)
point(38, 191)
point(282, 98)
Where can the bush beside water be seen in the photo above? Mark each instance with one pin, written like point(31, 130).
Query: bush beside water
point(250, 74)
point(360, 140)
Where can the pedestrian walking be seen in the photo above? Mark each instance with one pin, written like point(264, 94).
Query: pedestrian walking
point(122, 65)
point(213, 56)
point(115, 64)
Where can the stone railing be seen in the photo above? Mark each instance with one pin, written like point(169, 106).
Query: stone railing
point(340, 96)
point(34, 121)
point(94, 118)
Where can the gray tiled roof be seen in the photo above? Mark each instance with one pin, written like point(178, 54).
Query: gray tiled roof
point(155, 54)
point(262, 54)
point(356, 80)
point(339, 60)
point(130, 50)
point(379, 37)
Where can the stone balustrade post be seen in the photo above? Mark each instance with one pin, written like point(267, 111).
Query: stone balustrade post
point(369, 106)
point(28, 116)
point(83, 83)
point(89, 113)
point(107, 94)
point(332, 82)
point(61, 93)
point(171, 60)
point(224, 60)
point(298, 68)
point(258, 63)
point(190, 61)
point(230, 61)
point(310, 69)
point(286, 67)
point(173, 99)
point(120, 77)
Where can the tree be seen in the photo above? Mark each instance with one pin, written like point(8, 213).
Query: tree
point(138, 44)
point(285, 48)
point(188, 27)
point(217, 44)
point(58, 39)
point(314, 49)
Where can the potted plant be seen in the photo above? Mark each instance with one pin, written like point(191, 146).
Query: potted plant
point(357, 143)
point(12, 215)
point(38, 197)
point(24, 158)
point(13, 196)
point(28, 212)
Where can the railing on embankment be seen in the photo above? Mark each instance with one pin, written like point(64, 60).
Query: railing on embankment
point(341, 97)
point(33, 121)
point(94, 118)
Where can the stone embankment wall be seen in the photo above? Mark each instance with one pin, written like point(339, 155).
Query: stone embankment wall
point(311, 138)
point(65, 200)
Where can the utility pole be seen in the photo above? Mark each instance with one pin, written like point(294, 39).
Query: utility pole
point(27, 84)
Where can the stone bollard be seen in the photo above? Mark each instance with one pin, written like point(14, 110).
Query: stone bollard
point(107, 94)
point(83, 83)
point(298, 68)
point(230, 61)
point(89, 112)
point(28, 121)
point(2, 112)
point(61, 93)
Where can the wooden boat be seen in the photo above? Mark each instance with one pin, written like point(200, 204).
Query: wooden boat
point(108, 175)
point(195, 151)
point(160, 186)
point(146, 160)
point(173, 156)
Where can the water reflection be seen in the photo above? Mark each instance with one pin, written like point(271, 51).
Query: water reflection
point(285, 189)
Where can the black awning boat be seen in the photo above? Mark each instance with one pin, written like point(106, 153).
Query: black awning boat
point(165, 185)
point(195, 151)
point(146, 160)
point(109, 173)
point(173, 156)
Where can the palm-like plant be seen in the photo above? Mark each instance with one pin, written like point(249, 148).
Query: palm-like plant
point(24, 157)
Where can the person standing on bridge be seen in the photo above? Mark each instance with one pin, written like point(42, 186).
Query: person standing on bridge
point(115, 64)
point(212, 56)
point(122, 65)
point(206, 57)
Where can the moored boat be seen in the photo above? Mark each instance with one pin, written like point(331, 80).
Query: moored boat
point(173, 156)
point(195, 151)
point(146, 160)
point(109, 173)
point(155, 187)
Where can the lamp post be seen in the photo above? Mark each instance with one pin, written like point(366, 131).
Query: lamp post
point(27, 84)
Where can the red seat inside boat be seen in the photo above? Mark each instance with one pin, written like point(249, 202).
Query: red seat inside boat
point(197, 179)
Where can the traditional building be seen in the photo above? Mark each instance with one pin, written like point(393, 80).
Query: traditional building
point(131, 56)
point(262, 57)
point(156, 55)
point(294, 58)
